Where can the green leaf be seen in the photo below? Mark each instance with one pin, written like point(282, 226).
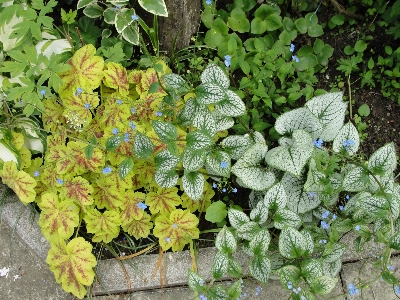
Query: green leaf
point(195, 281)
point(292, 159)
point(193, 184)
point(311, 269)
point(125, 167)
point(315, 30)
point(389, 277)
point(155, 7)
point(360, 46)
point(216, 212)
point(216, 293)
point(235, 290)
point(126, 26)
point(83, 3)
point(266, 18)
point(383, 161)
point(89, 149)
point(220, 264)
point(231, 105)
point(292, 243)
point(209, 93)
point(109, 16)
point(286, 217)
point(225, 240)
point(249, 170)
point(364, 110)
point(260, 243)
point(142, 146)
point(237, 218)
point(238, 21)
point(301, 25)
point(234, 268)
point(323, 285)
point(260, 268)
point(214, 74)
point(166, 131)
point(113, 142)
point(175, 82)
point(193, 160)
point(93, 11)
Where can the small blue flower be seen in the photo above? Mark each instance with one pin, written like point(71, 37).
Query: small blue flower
point(227, 60)
point(224, 164)
point(291, 48)
point(290, 285)
point(234, 190)
point(142, 205)
point(208, 2)
point(174, 226)
point(36, 173)
point(119, 102)
point(347, 197)
point(167, 239)
point(390, 268)
point(325, 214)
point(303, 297)
point(60, 181)
point(397, 290)
point(134, 17)
point(126, 139)
point(158, 113)
point(224, 190)
point(318, 143)
point(201, 282)
point(107, 170)
point(133, 110)
point(115, 131)
point(324, 225)
point(295, 58)
point(132, 125)
point(42, 92)
point(341, 207)
point(87, 105)
point(311, 194)
point(117, 7)
point(358, 227)
point(202, 297)
point(334, 217)
point(214, 185)
point(78, 91)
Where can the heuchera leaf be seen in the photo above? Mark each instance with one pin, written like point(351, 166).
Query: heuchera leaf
point(138, 228)
point(86, 71)
point(130, 209)
point(203, 203)
point(19, 181)
point(163, 201)
point(77, 189)
point(57, 218)
point(72, 264)
point(75, 106)
point(105, 226)
point(116, 77)
point(176, 230)
point(106, 194)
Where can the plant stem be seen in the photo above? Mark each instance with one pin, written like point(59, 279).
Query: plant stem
point(350, 105)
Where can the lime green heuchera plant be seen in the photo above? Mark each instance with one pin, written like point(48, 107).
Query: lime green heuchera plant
point(134, 150)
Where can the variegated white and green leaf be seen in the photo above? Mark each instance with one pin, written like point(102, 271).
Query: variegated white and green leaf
point(219, 163)
point(216, 293)
point(311, 269)
point(249, 170)
point(193, 160)
point(300, 201)
point(175, 82)
point(235, 290)
point(166, 131)
point(198, 140)
point(375, 205)
point(192, 108)
point(93, 11)
point(84, 3)
point(222, 122)
point(248, 231)
point(237, 218)
point(193, 184)
point(275, 198)
point(294, 158)
point(335, 253)
point(292, 244)
point(205, 123)
point(383, 160)
point(126, 26)
point(109, 16)
point(356, 180)
point(256, 137)
point(155, 7)
point(166, 179)
point(331, 268)
point(287, 217)
point(142, 146)
point(220, 264)
point(125, 167)
point(195, 281)
point(113, 142)
point(236, 145)
point(309, 241)
point(290, 273)
point(165, 161)
point(255, 197)
point(259, 214)
point(260, 268)
point(346, 133)
point(260, 243)
point(323, 285)
point(234, 268)
point(285, 141)
point(214, 74)
point(300, 118)
point(315, 179)
point(209, 93)
point(225, 241)
point(231, 105)
point(329, 109)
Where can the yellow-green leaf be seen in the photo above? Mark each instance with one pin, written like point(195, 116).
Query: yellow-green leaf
point(86, 72)
point(106, 194)
point(130, 208)
point(57, 217)
point(77, 189)
point(177, 230)
point(138, 228)
point(116, 77)
point(105, 226)
point(19, 181)
point(164, 201)
point(72, 264)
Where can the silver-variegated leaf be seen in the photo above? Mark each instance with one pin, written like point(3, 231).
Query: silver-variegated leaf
point(248, 231)
point(195, 281)
point(383, 160)
point(287, 217)
point(193, 184)
point(294, 158)
point(314, 182)
point(356, 180)
point(237, 218)
point(347, 133)
point(220, 264)
point(198, 140)
point(166, 179)
point(285, 141)
point(205, 123)
point(166, 131)
point(175, 82)
point(260, 268)
point(222, 122)
point(249, 170)
point(260, 243)
point(329, 109)
point(165, 161)
point(309, 240)
point(255, 197)
point(257, 137)
point(193, 160)
point(311, 269)
point(234, 268)
point(125, 167)
point(225, 241)
point(300, 201)
point(214, 74)
point(289, 273)
point(142, 146)
point(236, 145)
point(189, 111)
point(300, 118)
point(292, 244)
point(331, 255)
point(231, 105)
point(323, 285)
point(332, 268)
point(219, 163)
point(375, 205)
point(275, 198)
point(259, 214)
point(209, 93)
